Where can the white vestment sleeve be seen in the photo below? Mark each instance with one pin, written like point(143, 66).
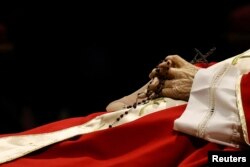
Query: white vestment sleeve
point(212, 112)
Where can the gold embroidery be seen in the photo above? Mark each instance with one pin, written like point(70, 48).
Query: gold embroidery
point(215, 80)
point(240, 56)
point(239, 101)
point(241, 110)
point(152, 102)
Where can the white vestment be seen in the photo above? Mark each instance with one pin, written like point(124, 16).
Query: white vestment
point(212, 111)
point(16, 146)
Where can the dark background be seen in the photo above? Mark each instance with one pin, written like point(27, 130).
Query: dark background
point(67, 60)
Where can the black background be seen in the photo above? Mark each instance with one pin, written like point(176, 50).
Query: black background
point(79, 57)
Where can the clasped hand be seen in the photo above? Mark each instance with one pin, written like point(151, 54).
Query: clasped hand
point(173, 78)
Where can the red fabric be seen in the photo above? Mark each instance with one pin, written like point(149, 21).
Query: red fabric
point(245, 93)
point(146, 142)
point(204, 65)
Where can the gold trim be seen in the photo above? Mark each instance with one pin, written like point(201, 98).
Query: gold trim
point(216, 80)
point(241, 110)
point(240, 56)
point(152, 102)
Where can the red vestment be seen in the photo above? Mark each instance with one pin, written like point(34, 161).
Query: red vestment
point(146, 142)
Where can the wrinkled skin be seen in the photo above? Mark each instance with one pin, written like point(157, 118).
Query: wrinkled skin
point(174, 76)
point(177, 75)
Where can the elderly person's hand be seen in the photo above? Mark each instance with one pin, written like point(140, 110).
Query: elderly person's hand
point(173, 78)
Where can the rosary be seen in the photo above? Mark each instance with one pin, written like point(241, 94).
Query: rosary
point(159, 80)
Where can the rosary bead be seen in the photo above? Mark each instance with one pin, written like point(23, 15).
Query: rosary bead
point(129, 106)
point(134, 105)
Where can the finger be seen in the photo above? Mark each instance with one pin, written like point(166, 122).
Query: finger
point(152, 95)
point(168, 92)
point(178, 89)
point(164, 67)
point(155, 72)
point(142, 94)
point(165, 64)
point(153, 85)
point(176, 60)
point(174, 94)
point(161, 69)
point(169, 83)
point(159, 72)
point(175, 73)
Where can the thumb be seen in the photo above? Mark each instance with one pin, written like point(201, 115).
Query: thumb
point(177, 60)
